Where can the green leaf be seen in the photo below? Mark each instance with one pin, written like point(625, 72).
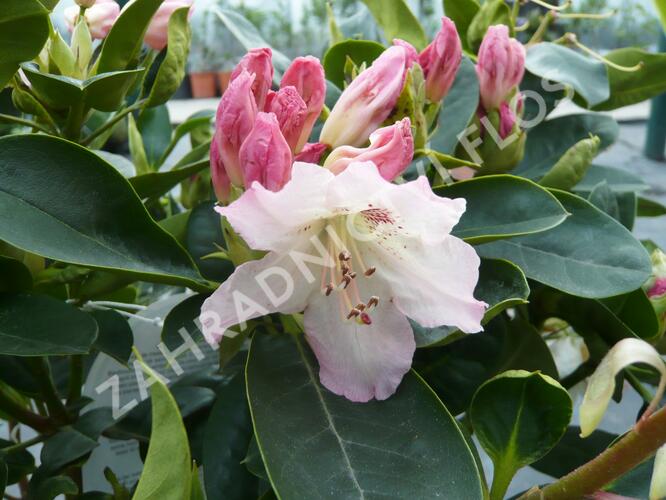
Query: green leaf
point(166, 473)
point(458, 108)
point(492, 12)
point(587, 76)
point(356, 450)
point(37, 325)
point(204, 237)
point(154, 124)
point(462, 13)
point(359, 51)
point(628, 88)
point(136, 147)
point(501, 285)
point(661, 8)
point(47, 488)
point(650, 208)
point(24, 29)
point(503, 206)
point(197, 492)
point(226, 439)
point(119, 162)
point(202, 119)
point(619, 181)
point(456, 370)
point(548, 141)
point(3, 476)
point(571, 168)
point(14, 275)
point(65, 447)
point(18, 463)
point(172, 70)
point(605, 200)
point(446, 161)
point(588, 255)
point(115, 336)
point(154, 184)
point(248, 36)
point(398, 21)
point(518, 417)
point(122, 45)
point(103, 92)
point(253, 460)
point(80, 210)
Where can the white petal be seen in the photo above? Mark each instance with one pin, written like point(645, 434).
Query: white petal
point(359, 184)
point(278, 220)
point(359, 362)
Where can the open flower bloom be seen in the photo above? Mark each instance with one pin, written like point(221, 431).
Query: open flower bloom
point(257, 62)
point(391, 150)
point(368, 100)
point(306, 75)
point(500, 66)
point(440, 61)
point(359, 255)
point(99, 17)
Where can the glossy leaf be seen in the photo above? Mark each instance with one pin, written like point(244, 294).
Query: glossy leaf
point(503, 206)
point(561, 64)
point(153, 184)
point(398, 21)
point(37, 325)
point(172, 70)
point(548, 141)
point(106, 228)
point(650, 208)
point(204, 234)
point(605, 200)
point(458, 108)
point(24, 29)
point(518, 417)
point(359, 51)
point(355, 450)
point(18, 463)
point(456, 370)
point(226, 439)
point(115, 336)
point(501, 285)
point(14, 275)
point(619, 181)
point(588, 255)
point(636, 86)
point(123, 43)
point(166, 473)
point(154, 125)
point(462, 12)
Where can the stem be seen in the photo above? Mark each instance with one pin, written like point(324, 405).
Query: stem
point(75, 121)
point(24, 122)
point(113, 121)
point(75, 378)
point(24, 444)
point(501, 480)
point(21, 414)
point(637, 445)
point(551, 6)
point(543, 27)
point(572, 39)
point(42, 371)
point(638, 387)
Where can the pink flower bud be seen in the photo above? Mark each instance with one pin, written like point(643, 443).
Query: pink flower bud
point(412, 55)
point(257, 62)
point(233, 122)
point(311, 152)
point(507, 120)
point(99, 17)
point(440, 61)
point(500, 66)
point(218, 174)
point(265, 154)
point(306, 75)
point(157, 34)
point(291, 113)
point(391, 149)
point(368, 100)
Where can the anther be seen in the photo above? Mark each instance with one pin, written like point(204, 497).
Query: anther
point(353, 313)
point(352, 275)
point(344, 256)
point(374, 300)
point(345, 269)
point(360, 306)
point(345, 281)
point(329, 289)
point(370, 271)
point(365, 318)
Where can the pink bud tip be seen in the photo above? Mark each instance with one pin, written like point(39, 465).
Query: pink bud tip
point(291, 113)
point(259, 63)
point(410, 51)
point(99, 17)
point(157, 34)
point(658, 289)
point(440, 61)
point(311, 152)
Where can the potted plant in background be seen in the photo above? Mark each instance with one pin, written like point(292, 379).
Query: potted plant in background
point(202, 76)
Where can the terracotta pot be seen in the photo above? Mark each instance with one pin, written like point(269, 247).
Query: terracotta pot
point(203, 85)
point(223, 80)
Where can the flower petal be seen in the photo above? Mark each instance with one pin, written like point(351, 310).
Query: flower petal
point(359, 362)
point(272, 284)
point(278, 220)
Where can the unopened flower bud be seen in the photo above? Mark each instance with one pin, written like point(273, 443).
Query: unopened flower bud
point(99, 17)
point(259, 63)
point(311, 152)
point(391, 150)
point(218, 174)
point(440, 61)
point(367, 101)
point(291, 113)
point(265, 155)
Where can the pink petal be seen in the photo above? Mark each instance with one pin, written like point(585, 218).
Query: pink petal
point(359, 362)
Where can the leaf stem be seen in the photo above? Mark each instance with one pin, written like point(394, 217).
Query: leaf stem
point(640, 443)
point(21, 414)
point(42, 371)
point(22, 121)
point(24, 444)
point(113, 121)
point(502, 477)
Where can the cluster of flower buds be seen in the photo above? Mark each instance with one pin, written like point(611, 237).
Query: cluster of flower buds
point(655, 287)
point(100, 15)
point(259, 131)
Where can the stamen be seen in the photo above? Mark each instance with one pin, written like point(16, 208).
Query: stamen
point(370, 271)
point(329, 289)
point(353, 313)
point(345, 269)
point(365, 318)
